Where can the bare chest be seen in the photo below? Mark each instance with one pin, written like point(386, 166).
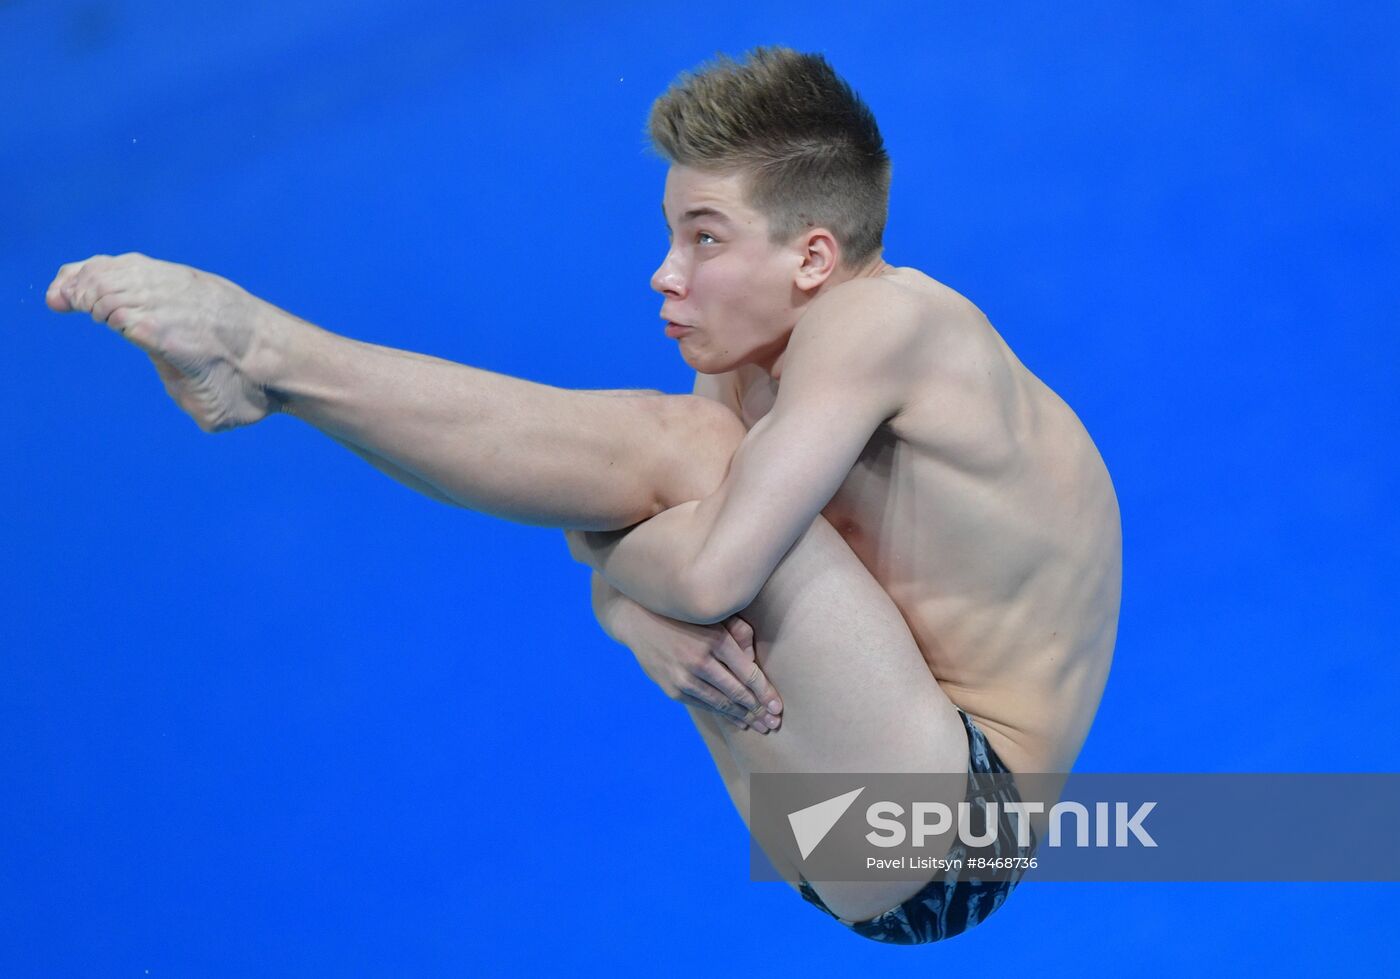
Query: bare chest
point(942, 540)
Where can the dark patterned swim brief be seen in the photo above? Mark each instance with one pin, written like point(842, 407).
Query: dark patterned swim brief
point(950, 905)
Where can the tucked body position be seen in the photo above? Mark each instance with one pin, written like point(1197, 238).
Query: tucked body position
point(869, 540)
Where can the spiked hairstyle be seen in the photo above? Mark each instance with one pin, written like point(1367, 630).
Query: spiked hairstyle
point(806, 142)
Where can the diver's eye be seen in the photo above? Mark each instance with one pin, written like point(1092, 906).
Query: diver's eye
point(704, 238)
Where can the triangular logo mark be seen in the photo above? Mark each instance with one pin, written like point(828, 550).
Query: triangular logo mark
point(810, 825)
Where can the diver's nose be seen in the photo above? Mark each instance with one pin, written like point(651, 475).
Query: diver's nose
point(667, 278)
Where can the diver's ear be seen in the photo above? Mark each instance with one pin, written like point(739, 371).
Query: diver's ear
point(819, 255)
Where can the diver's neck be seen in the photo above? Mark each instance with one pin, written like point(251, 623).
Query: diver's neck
point(872, 269)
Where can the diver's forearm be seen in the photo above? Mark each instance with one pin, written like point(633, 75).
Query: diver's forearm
point(609, 606)
point(654, 564)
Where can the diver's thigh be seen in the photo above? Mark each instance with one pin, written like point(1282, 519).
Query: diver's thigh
point(857, 694)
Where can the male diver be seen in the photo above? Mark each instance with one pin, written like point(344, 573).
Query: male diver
point(868, 507)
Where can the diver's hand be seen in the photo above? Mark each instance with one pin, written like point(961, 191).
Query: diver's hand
point(203, 333)
point(708, 666)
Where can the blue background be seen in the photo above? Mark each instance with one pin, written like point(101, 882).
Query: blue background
point(265, 712)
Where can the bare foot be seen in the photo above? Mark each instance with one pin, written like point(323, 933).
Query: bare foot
point(201, 331)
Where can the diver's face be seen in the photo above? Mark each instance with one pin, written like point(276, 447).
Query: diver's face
point(729, 292)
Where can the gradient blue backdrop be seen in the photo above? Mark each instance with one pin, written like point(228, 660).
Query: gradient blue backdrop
point(264, 712)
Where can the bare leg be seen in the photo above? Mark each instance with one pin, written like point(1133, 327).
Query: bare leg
point(820, 621)
point(537, 454)
point(512, 448)
point(527, 452)
point(820, 624)
point(573, 458)
point(857, 693)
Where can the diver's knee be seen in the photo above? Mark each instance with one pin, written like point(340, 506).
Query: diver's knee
point(702, 436)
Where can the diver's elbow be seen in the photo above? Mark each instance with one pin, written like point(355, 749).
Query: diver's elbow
point(713, 596)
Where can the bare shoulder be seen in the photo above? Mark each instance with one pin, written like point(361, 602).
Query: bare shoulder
point(900, 318)
point(964, 391)
point(885, 303)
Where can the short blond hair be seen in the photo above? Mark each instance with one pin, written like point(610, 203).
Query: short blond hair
point(808, 145)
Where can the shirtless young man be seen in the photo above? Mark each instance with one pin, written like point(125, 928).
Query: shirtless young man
point(920, 534)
